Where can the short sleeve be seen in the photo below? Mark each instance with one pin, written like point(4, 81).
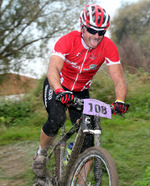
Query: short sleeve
point(62, 46)
point(111, 53)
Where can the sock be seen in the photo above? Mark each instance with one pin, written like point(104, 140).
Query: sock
point(40, 150)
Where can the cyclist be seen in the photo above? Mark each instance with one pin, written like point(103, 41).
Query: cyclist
point(74, 61)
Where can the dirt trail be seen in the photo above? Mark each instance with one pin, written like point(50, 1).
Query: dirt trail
point(15, 162)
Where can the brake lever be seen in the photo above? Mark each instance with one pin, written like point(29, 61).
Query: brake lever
point(121, 114)
point(77, 103)
point(58, 97)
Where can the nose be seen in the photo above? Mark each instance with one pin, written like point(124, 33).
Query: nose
point(96, 35)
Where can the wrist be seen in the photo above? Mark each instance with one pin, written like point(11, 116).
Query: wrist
point(59, 90)
point(119, 100)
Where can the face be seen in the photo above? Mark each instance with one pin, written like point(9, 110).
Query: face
point(91, 40)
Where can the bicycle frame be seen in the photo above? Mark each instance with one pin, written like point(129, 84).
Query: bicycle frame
point(82, 127)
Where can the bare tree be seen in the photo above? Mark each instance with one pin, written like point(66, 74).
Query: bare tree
point(27, 26)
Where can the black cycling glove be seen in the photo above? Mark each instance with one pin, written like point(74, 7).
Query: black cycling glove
point(65, 97)
point(119, 107)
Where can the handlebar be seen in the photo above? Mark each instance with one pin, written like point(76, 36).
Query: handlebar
point(78, 104)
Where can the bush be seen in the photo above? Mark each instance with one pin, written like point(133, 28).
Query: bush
point(13, 112)
point(27, 111)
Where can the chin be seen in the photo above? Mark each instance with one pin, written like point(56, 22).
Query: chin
point(93, 46)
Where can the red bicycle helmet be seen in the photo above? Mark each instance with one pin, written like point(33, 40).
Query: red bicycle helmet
point(95, 17)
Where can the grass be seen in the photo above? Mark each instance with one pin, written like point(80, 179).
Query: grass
point(126, 139)
point(128, 143)
point(15, 134)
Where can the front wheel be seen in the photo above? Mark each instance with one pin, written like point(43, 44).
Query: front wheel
point(94, 167)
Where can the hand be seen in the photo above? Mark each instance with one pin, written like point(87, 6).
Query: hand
point(120, 107)
point(65, 97)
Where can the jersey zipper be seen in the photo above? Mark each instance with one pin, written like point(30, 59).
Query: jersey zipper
point(80, 70)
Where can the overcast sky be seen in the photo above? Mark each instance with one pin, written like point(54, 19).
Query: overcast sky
point(111, 6)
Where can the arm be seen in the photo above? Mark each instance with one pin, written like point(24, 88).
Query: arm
point(116, 74)
point(55, 66)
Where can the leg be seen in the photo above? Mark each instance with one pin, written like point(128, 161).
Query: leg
point(84, 173)
point(46, 141)
point(49, 130)
point(40, 160)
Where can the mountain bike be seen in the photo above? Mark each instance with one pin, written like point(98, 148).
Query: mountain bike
point(93, 167)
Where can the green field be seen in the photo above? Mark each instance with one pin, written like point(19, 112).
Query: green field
point(127, 138)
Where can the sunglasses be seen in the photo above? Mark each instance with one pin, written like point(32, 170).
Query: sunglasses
point(93, 32)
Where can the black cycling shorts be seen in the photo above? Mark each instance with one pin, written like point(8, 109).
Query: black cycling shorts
point(57, 112)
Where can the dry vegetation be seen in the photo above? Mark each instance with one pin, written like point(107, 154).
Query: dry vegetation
point(17, 84)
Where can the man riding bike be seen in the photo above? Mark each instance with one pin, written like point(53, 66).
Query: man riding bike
point(76, 58)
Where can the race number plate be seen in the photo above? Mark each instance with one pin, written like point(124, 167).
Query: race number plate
point(96, 107)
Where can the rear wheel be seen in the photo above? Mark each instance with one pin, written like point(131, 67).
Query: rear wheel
point(94, 167)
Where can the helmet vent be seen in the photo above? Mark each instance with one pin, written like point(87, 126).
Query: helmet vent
point(104, 19)
point(99, 19)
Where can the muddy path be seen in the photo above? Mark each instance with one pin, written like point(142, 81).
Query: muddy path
point(16, 163)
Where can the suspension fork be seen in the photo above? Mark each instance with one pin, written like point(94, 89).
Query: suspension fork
point(97, 162)
point(87, 125)
point(97, 137)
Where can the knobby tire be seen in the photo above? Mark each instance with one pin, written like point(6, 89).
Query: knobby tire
point(109, 175)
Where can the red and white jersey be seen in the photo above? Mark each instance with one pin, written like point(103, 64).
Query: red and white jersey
point(80, 62)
